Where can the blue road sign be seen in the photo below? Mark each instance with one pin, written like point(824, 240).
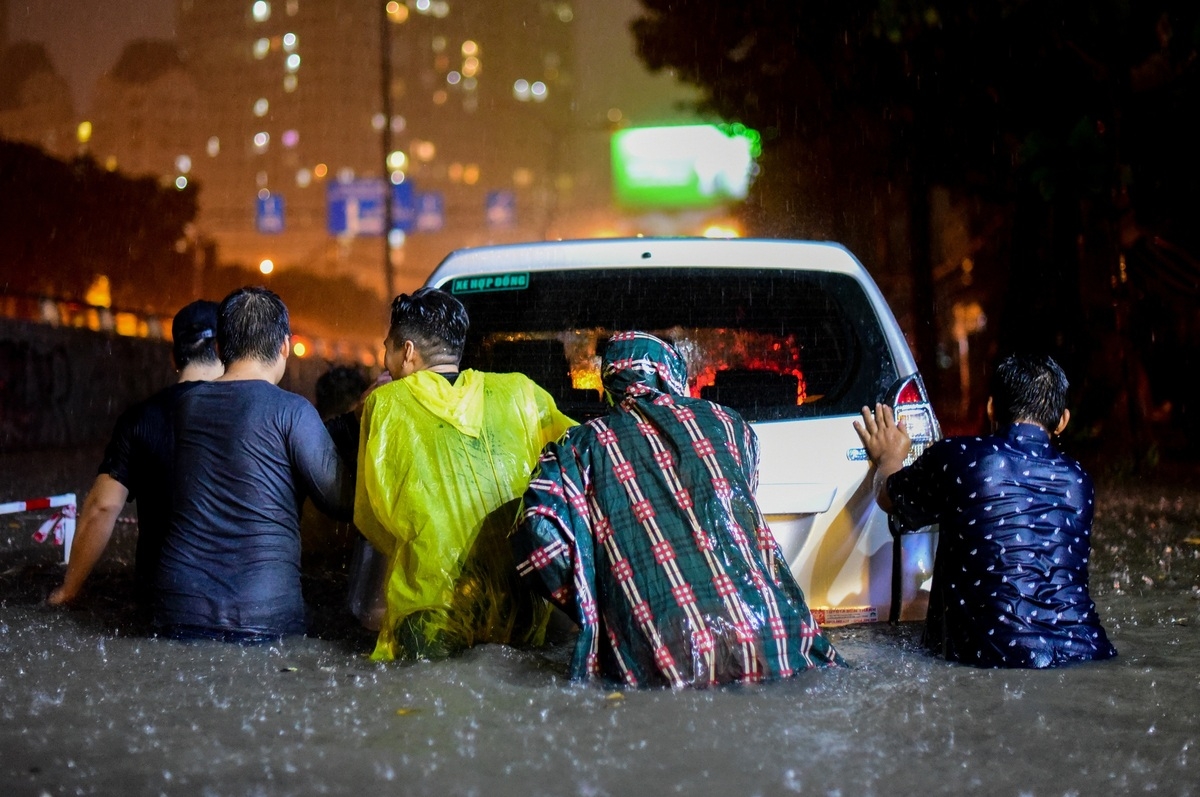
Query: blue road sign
point(431, 211)
point(404, 206)
point(268, 215)
point(355, 207)
point(501, 209)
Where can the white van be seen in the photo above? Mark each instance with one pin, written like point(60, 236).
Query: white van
point(793, 335)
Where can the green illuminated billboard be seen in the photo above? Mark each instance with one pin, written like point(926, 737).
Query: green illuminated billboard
point(683, 166)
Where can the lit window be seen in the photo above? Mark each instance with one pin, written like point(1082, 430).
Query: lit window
point(181, 182)
point(289, 42)
point(110, 163)
point(213, 147)
point(453, 78)
point(303, 178)
point(521, 89)
point(455, 172)
point(565, 14)
point(293, 7)
point(266, 265)
point(261, 140)
point(399, 123)
point(470, 66)
point(293, 62)
point(183, 164)
point(345, 175)
point(320, 170)
point(396, 160)
point(84, 132)
point(470, 84)
point(470, 48)
point(440, 8)
point(261, 11)
point(377, 121)
point(522, 177)
point(264, 194)
point(397, 177)
point(260, 180)
point(439, 97)
point(397, 12)
point(290, 138)
point(423, 6)
point(289, 83)
point(538, 90)
point(438, 42)
point(423, 150)
point(471, 174)
point(261, 106)
point(261, 48)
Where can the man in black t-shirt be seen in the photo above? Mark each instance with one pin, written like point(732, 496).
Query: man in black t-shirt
point(246, 455)
point(138, 461)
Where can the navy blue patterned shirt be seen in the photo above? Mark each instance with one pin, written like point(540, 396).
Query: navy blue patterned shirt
point(1010, 584)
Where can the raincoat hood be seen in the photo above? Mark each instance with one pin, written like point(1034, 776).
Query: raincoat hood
point(637, 363)
point(460, 404)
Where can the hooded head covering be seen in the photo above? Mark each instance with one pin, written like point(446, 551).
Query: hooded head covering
point(638, 363)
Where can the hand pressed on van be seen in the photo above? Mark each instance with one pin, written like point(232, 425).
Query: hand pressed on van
point(887, 444)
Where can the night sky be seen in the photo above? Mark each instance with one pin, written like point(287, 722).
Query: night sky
point(85, 37)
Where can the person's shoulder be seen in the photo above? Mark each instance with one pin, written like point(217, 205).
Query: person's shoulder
point(496, 378)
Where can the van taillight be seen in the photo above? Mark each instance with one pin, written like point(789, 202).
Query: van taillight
point(911, 405)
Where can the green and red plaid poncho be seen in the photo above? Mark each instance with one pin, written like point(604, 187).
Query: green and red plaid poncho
point(642, 526)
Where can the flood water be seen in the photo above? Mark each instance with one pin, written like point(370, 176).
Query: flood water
point(89, 706)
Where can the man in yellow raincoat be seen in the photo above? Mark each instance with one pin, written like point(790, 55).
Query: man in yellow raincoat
point(443, 459)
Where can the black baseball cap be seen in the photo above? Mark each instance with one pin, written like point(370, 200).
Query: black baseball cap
point(194, 322)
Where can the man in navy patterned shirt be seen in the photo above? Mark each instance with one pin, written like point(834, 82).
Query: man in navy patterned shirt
point(1010, 582)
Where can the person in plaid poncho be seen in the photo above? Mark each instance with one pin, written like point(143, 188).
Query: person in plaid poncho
point(642, 526)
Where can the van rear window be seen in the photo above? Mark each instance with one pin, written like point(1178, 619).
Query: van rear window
point(773, 344)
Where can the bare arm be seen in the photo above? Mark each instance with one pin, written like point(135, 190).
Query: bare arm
point(100, 510)
point(887, 444)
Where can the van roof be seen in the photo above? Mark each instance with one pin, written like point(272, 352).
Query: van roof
point(649, 252)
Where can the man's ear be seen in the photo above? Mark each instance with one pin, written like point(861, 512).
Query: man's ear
point(991, 415)
point(285, 348)
point(1062, 422)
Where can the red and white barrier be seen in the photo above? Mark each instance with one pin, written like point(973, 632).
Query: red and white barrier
point(61, 524)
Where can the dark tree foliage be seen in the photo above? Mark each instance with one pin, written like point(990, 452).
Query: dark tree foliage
point(62, 224)
point(1072, 120)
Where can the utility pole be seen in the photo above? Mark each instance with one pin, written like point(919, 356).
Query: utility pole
point(385, 66)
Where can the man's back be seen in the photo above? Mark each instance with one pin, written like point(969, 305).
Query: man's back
point(439, 468)
point(140, 455)
point(246, 454)
point(1010, 583)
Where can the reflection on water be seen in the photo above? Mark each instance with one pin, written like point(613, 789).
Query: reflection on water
point(86, 706)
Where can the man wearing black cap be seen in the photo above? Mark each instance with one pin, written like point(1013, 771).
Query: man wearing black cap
point(247, 453)
point(138, 462)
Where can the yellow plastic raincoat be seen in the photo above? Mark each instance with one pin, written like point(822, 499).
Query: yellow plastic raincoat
point(441, 469)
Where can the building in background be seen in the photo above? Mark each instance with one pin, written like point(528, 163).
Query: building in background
point(35, 101)
point(292, 94)
point(146, 115)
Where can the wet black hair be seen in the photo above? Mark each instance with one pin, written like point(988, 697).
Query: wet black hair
point(252, 323)
point(338, 388)
point(1029, 387)
point(433, 320)
point(202, 351)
